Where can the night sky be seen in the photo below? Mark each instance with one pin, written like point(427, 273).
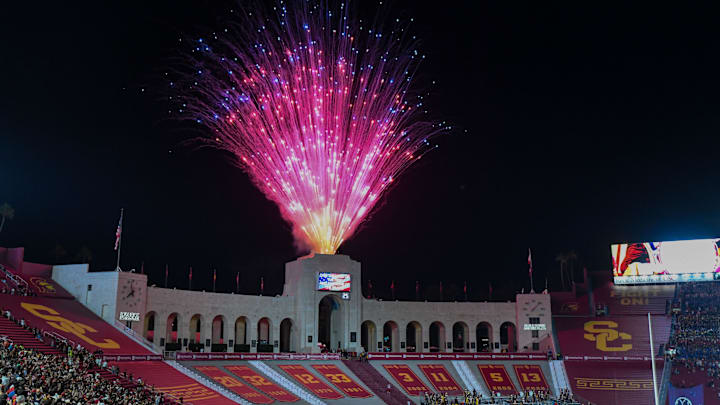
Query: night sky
point(576, 126)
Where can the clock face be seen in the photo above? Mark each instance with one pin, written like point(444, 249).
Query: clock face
point(131, 293)
point(533, 305)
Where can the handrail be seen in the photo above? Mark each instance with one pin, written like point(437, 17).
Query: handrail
point(134, 336)
point(14, 278)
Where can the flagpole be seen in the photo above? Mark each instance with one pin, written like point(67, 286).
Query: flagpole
point(532, 286)
point(117, 267)
point(652, 360)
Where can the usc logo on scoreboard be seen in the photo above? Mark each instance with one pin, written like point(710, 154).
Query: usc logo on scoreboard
point(53, 318)
point(603, 333)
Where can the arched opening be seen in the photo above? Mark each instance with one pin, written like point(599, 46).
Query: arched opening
point(437, 337)
point(172, 341)
point(508, 339)
point(368, 336)
point(195, 329)
point(218, 334)
point(460, 337)
point(330, 325)
point(413, 336)
point(241, 342)
point(483, 337)
point(391, 337)
point(288, 336)
point(149, 329)
point(218, 329)
point(264, 333)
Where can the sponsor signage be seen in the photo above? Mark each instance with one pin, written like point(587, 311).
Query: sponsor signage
point(534, 326)
point(456, 356)
point(130, 316)
point(133, 357)
point(256, 356)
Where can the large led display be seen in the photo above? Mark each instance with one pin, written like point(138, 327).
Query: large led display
point(333, 282)
point(666, 262)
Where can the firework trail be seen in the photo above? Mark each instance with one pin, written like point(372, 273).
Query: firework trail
point(315, 106)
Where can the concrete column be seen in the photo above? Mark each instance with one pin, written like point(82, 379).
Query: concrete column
point(206, 332)
point(402, 334)
point(275, 335)
point(252, 334)
point(496, 335)
point(160, 330)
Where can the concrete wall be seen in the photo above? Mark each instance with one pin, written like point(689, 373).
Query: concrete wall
point(101, 299)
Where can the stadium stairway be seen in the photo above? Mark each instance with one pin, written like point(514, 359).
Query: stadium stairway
point(376, 382)
point(172, 382)
point(23, 337)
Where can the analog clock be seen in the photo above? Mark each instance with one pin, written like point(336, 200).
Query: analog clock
point(131, 294)
point(533, 305)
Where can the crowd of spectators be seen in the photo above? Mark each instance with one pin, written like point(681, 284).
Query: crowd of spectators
point(475, 398)
point(11, 284)
point(29, 377)
point(696, 330)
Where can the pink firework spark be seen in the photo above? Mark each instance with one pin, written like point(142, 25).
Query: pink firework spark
point(315, 107)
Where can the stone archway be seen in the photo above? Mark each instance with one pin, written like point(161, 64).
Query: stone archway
point(264, 334)
point(368, 336)
point(195, 343)
point(484, 337)
point(241, 342)
point(171, 329)
point(437, 337)
point(330, 322)
point(218, 329)
point(149, 327)
point(413, 337)
point(508, 336)
point(391, 337)
point(288, 336)
point(460, 337)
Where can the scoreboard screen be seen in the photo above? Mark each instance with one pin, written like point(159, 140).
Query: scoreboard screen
point(339, 282)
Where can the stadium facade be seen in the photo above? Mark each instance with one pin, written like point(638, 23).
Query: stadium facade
point(307, 313)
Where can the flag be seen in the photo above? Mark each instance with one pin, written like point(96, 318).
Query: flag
point(118, 232)
point(262, 285)
point(465, 290)
point(530, 260)
point(237, 282)
point(190, 279)
point(11, 391)
point(166, 275)
point(392, 289)
point(370, 291)
point(214, 278)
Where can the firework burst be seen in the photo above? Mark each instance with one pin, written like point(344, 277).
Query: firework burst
point(315, 106)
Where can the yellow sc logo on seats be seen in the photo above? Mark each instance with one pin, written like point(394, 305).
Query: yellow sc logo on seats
point(604, 332)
